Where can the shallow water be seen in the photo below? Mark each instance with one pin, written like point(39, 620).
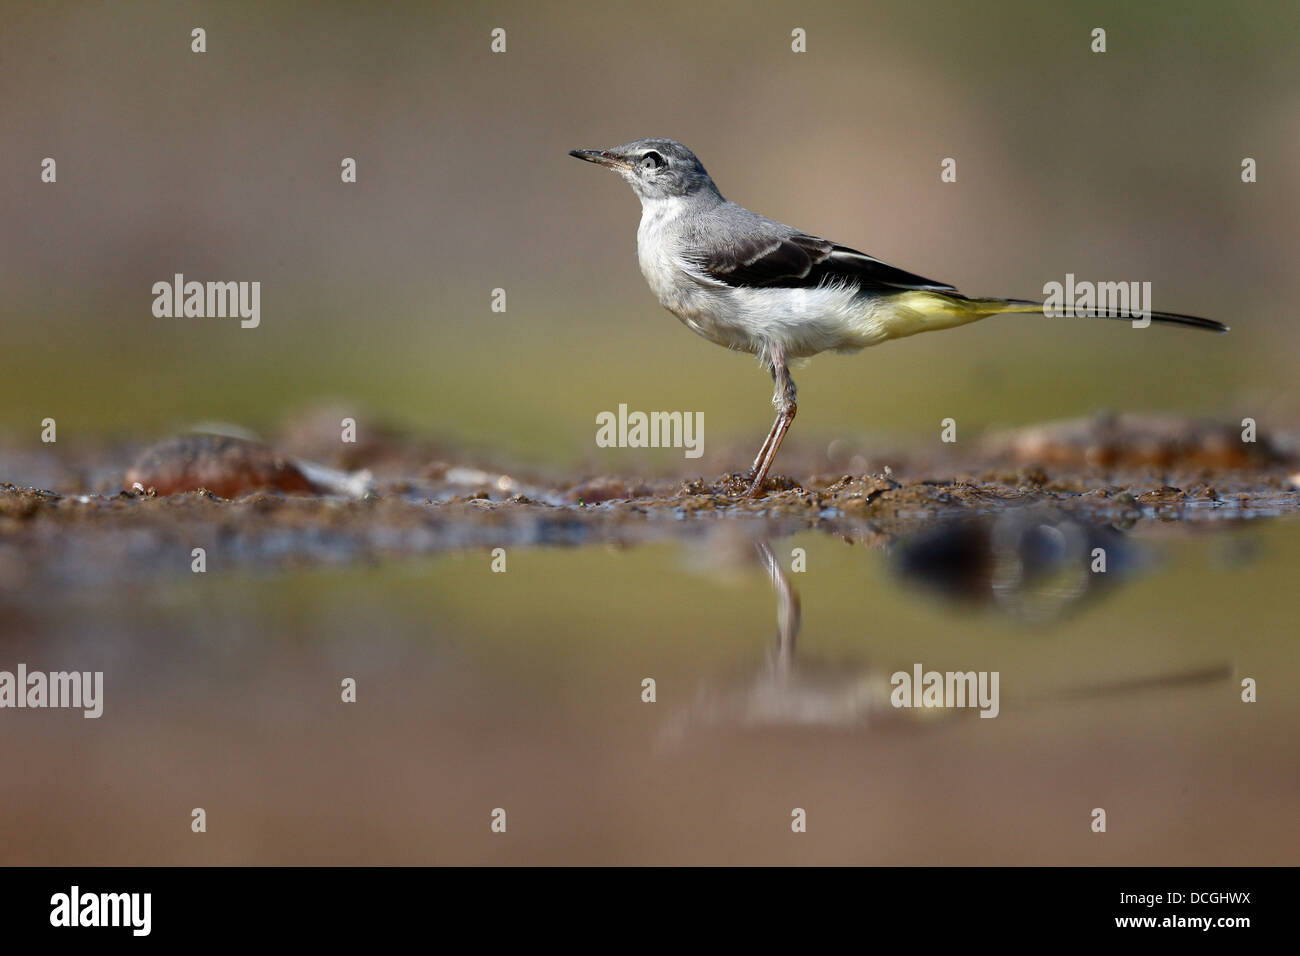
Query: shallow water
point(522, 690)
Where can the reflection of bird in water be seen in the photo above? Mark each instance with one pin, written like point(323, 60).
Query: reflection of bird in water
point(791, 691)
point(788, 611)
point(1033, 564)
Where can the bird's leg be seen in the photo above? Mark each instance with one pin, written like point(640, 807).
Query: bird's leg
point(762, 452)
point(786, 407)
point(776, 401)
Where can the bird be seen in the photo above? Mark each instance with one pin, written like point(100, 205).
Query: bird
point(755, 285)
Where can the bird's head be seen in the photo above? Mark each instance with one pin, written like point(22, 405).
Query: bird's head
point(654, 168)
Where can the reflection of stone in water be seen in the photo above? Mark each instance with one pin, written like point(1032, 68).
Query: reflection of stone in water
point(1236, 553)
point(1034, 564)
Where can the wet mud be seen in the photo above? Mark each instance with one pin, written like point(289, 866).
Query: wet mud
point(128, 511)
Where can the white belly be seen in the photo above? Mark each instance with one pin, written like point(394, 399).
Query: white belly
point(800, 322)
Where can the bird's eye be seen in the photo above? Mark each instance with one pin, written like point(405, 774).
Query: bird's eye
point(652, 161)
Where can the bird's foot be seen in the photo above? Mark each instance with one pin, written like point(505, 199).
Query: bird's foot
point(745, 484)
point(759, 488)
point(736, 484)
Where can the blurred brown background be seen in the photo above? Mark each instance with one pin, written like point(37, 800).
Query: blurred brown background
point(225, 166)
point(522, 690)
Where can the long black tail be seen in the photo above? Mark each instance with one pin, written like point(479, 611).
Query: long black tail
point(1168, 318)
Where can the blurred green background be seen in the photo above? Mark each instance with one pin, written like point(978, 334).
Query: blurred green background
point(225, 166)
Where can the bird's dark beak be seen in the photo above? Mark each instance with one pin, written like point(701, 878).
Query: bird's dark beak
point(601, 157)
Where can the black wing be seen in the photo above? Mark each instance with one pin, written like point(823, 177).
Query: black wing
point(801, 261)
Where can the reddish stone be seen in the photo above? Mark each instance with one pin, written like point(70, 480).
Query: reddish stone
point(224, 465)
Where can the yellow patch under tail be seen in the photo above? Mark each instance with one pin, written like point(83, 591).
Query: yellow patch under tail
point(908, 313)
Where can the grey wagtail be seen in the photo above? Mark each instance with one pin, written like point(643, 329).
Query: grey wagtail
point(755, 285)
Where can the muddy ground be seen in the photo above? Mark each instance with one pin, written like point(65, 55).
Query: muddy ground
point(303, 497)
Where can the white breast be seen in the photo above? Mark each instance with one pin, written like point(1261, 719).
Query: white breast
point(656, 249)
point(705, 307)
